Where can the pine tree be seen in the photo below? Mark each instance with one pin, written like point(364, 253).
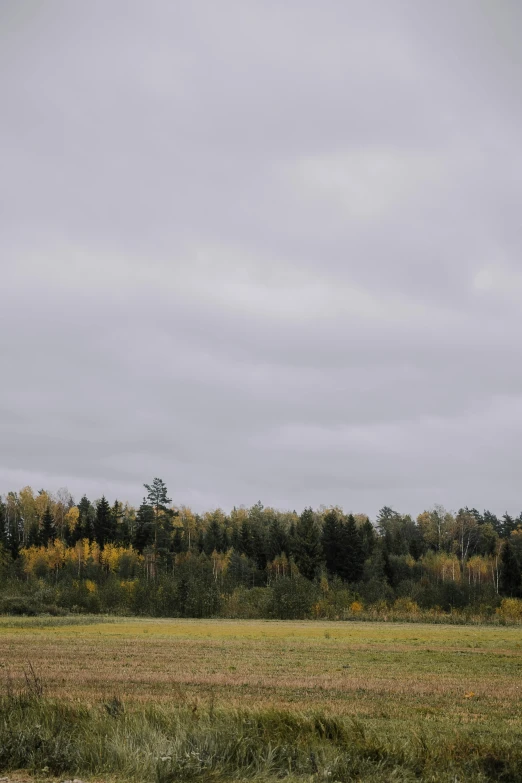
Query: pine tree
point(308, 551)
point(510, 576)
point(157, 497)
point(48, 529)
point(352, 558)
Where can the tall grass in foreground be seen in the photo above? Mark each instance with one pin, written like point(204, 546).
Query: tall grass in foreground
point(183, 743)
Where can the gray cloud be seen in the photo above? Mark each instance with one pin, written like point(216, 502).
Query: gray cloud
point(262, 250)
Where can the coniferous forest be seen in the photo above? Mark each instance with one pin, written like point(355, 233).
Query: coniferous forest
point(58, 555)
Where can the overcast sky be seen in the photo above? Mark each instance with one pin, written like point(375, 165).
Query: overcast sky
point(263, 250)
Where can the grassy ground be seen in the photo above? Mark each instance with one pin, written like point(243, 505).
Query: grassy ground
point(410, 701)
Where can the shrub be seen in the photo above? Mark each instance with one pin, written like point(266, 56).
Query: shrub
point(510, 609)
point(18, 605)
point(406, 606)
point(292, 599)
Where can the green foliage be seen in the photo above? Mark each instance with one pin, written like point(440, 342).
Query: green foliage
point(48, 529)
point(204, 743)
point(292, 598)
point(307, 545)
point(351, 563)
point(510, 573)
point(104, 523)
point(173, 562)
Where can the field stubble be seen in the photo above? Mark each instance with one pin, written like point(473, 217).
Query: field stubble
point(430, 684)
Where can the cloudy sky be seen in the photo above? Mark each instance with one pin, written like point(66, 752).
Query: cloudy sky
point(263, 250)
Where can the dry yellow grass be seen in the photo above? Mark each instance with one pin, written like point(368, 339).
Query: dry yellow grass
point(378, 671)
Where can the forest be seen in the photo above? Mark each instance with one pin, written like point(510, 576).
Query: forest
point(58, 556)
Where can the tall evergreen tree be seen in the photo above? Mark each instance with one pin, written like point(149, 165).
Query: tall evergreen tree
point(116, 521)
point(178, 544)
point(259, 546)
point(332, 542)
point(308, 550)
point(508, 525)
point(235, 538)
point(157, 498)
point(86, 517)
point(368, 538)
point(492, 520)
point(246, 545)
point(144, 530)
point(104, 523)
point(48, 529)
point(33, 534)
point(4, 532)
point(352, 560)
point(200, 542)
point(225, 541)
point(213, 538)
point(510, 576)
point(277, 540)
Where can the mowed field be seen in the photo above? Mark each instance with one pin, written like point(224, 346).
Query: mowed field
point(399, 678)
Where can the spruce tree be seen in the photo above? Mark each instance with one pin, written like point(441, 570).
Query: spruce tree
point(332, 542)
point(368, 538)
point(508, 525)
point(33, 534)
point(277, 540)
point(116, 522)
point(235, 538)
point(493, 520)
point(308, 550)
point(510, 576)
point(144, 530)
point(259, 546)
point(104, 532)
point(246, 546)
point(200, 543)
point(225, 540)
point(48, 529)
point(178, 544)
point(213, 538)
point(4, 534)
point(352, 552)
point(86, 516)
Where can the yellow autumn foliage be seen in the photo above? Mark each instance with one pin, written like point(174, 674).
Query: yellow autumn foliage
point(111, 556)
point(510, 609)
point(38, 559)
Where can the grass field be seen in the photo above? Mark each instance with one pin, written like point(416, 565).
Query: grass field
point(451, 694)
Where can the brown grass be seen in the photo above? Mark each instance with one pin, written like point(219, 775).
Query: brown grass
point(377, 671)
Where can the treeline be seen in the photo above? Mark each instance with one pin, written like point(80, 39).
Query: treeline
point(164, 560)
